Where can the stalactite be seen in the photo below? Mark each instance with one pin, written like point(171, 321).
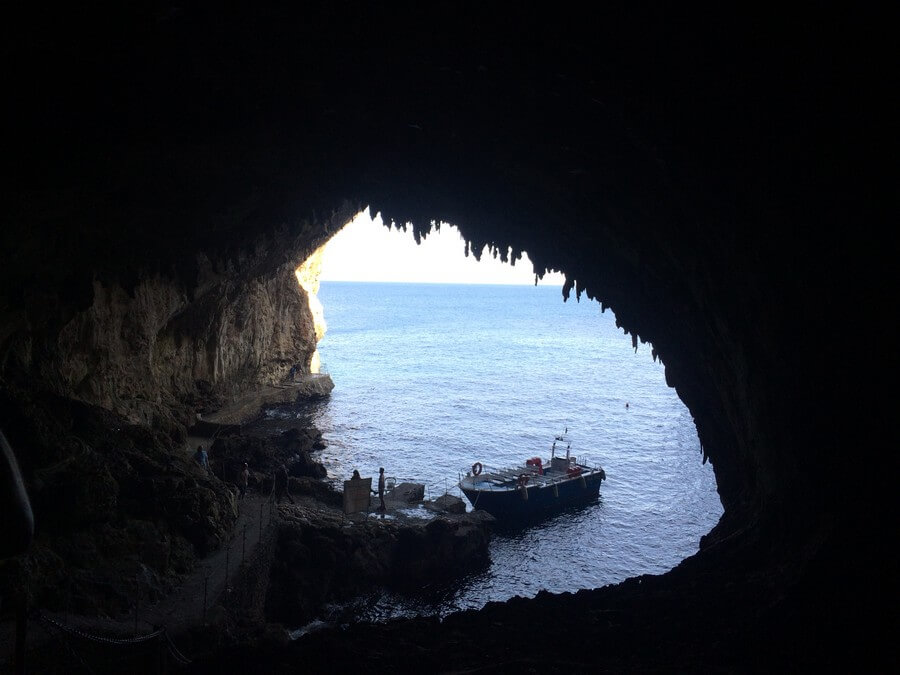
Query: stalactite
point(478, 250)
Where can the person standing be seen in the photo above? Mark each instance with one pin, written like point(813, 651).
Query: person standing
point(245, 480)
point(201, 457)
point(381, 488)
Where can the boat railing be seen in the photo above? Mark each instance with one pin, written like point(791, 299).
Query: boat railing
point(492, 478)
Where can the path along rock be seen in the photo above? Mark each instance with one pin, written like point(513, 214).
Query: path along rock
point(249, 406)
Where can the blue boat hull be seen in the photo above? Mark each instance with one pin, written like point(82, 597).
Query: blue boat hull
point(509, 504)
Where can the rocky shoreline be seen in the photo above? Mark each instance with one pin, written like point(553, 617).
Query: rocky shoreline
point(125, 515)
point(324, 558)
point(128, 521)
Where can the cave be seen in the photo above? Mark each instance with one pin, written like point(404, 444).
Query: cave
point(715, 178)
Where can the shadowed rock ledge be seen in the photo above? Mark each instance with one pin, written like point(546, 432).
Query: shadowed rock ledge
point(323, 557)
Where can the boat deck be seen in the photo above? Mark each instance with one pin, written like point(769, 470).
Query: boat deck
point(508, 477)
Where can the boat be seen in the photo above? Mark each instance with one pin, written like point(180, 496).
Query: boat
point(534, 487)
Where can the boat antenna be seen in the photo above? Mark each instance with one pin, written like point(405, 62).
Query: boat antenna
point(553, 450)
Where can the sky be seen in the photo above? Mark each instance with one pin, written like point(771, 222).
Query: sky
point(365, 250)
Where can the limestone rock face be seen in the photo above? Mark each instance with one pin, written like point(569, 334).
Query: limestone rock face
point(315, 385)
point(164, 345)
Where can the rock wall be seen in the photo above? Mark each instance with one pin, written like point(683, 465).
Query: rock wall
point(308, 277)
point(169, 346)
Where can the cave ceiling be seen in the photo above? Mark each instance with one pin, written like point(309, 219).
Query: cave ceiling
point(706, 175)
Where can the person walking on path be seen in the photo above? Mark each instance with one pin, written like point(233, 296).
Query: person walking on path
point(245, 480)
point(381, 488)
point(280, 486)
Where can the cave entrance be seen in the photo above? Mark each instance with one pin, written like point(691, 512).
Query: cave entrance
point(440, 362)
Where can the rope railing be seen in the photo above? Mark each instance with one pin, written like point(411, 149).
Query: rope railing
point(266, 516)
point(138, 640)
point(157, 639)
point(21, 668)
point(174, 651)
point(218, 579)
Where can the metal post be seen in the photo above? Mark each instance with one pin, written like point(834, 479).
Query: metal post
point(137, 600)
point(69, 603)
point(227, 551)
point(162, 652)
point(261, 505)
point(244, 544)
point(205, 585)
point(21, 628)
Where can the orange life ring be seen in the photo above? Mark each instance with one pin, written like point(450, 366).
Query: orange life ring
point(476, 468)
point(523, 480)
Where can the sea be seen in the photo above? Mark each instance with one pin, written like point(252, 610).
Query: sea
point(430, 378)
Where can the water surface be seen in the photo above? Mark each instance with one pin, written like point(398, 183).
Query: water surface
point(430, 378)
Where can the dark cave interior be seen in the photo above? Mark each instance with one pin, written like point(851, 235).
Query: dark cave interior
point(714, 177)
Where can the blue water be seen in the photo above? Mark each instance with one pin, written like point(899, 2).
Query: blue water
point(430, 378)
